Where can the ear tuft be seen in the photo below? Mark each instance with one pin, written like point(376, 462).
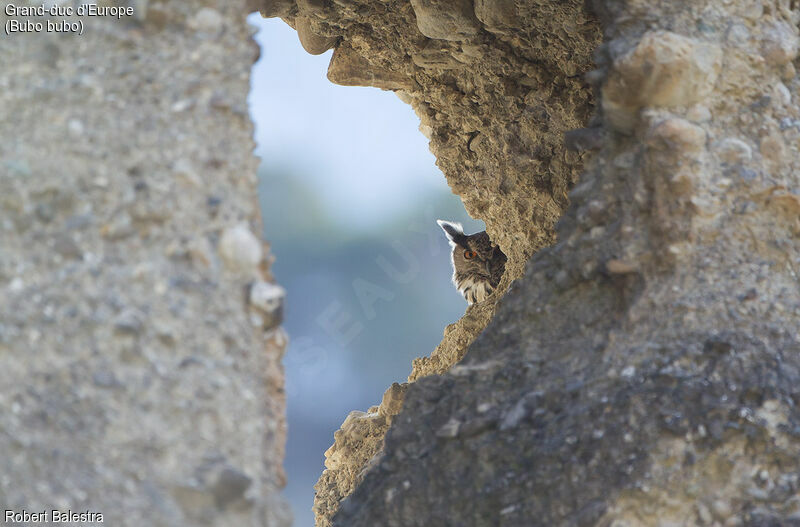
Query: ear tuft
point(453, 231)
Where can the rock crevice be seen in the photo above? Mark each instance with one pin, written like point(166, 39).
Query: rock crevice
point(495, 87)
point(653, 350)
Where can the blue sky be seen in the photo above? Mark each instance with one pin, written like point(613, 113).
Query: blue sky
point(358, 151)
point(361, 146)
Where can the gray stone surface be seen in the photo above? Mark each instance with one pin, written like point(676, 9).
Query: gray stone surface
point(644, 369)
point(134, 380)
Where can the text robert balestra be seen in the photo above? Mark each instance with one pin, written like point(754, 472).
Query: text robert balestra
point(53, 516)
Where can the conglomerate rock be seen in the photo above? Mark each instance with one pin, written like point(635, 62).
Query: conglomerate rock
point(495, 89)
point(645, 369)
point(137, 378)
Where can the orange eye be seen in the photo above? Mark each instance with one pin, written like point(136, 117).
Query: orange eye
point(469, 255)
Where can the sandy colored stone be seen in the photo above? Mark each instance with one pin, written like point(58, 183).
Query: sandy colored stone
point(445, 19)
point(486, 161)
point(641, 368)
point(311, 42)
point(497, 15)
point(275, 8)
point(733, 150)
point(779, 43)
point(312, 6)
point(663, 69)
point(349, 68)
point(131, 379)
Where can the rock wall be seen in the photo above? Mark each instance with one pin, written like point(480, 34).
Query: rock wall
point(140, 349)
point(643, 369)
point(495, 88)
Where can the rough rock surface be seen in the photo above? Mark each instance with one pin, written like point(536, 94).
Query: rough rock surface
point(135, 378)
point(645, 369)
point(495, 88)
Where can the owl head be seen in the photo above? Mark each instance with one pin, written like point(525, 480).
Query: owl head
point(478, 264)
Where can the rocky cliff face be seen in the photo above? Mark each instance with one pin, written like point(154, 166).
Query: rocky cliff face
point(644, 368)
point(495, 100)
point(139, 343)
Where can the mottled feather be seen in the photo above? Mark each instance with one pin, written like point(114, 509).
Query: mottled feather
point(478, 264)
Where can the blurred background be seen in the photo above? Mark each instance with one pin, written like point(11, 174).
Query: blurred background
point(349, 194)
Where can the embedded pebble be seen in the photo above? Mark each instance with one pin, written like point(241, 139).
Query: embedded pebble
point(732, 150)
point(496, 14)
point(449, 429)
point(105, 379)
point(515, 415)
point(779, 44)
point(703, 514)
point(393, 398)
point(65, 246)
point(676, 134)
point(738, 35)
point(16, 285)
point(721, 509)
point(75, 127)
point(185, 172)
point(699, 113)
point(349, 68)
point(240, 249)
point(753, 9)
point(200, 251)
point(316, 7)
point(230, 486)
point(782, 94)
point(129, 321)
point(445, 19)
point(207, 19)
point(276, 8)
point(311, 42)
point(267, 297)
point(620, 267)
point(772, 148)
point(663, 69)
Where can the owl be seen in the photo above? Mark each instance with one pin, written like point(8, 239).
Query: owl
point(478, 264)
